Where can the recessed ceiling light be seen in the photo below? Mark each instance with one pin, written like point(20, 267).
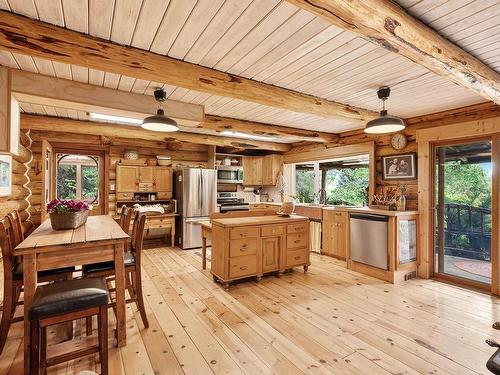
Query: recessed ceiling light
point(230, 133)
point(128, 120)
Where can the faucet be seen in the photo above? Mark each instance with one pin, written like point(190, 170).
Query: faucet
point(321, 196)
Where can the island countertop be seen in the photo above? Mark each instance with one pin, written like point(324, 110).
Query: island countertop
point(257, 220)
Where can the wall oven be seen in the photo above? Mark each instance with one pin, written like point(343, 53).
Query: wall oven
point(229, 174)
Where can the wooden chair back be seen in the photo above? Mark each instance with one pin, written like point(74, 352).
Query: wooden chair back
point(219, 215)
point(6, 243)
point(17, 227)
point(138, 236)
point(125, 218)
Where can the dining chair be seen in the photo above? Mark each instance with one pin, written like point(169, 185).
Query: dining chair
point(125, 218)
point(17, 227)
point(13, 275)
point(133, 270)
point(65, 302)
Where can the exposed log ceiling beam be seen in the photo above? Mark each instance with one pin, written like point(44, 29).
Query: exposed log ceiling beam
point(43, 90)
point(47, 123)
point(390, 26)
point(23, 35)
point(57, 92)
point(220, 124)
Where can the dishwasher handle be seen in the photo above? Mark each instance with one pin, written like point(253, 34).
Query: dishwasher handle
point(370, 217)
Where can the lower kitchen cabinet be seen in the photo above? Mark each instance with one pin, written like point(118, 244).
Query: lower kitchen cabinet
point(253, 246)
point(271, 254)
point(335, 231)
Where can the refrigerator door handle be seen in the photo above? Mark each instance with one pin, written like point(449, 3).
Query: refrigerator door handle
point(202, 191)
point(199, 191)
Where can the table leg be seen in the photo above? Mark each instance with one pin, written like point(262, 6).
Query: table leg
point(30, 281)
point(203, 252)
point(121, 333)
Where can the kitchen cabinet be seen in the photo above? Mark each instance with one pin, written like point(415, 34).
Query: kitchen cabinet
point(335, 231)
point(146, 175)
point(162, 178)
point(261, 170)
point(271, 254)
point(134, 179)
point(253, 246)
point(127, 178)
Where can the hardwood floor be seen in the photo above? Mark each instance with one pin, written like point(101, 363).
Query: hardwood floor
point(330, 320)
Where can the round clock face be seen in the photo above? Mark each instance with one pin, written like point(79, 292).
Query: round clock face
point(398, 141)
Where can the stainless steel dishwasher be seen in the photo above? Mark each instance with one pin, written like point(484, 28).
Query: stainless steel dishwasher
point(369, 234)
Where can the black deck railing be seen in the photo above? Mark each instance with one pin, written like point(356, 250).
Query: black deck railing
point(467, 231)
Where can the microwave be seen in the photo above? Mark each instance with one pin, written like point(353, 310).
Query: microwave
point(229, 174)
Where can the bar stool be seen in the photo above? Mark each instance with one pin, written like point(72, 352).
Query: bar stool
point(63, 302)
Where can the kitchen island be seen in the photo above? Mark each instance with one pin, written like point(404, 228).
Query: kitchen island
point(245, 247)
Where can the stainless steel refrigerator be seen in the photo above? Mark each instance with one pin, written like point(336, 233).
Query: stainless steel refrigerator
point(196, 192)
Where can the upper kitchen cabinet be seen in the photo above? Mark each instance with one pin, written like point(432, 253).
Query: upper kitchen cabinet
point(133, 178)
point(162, 178)
point(127, 178)
point(261, 170)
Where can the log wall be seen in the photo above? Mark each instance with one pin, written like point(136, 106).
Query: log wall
point(182, 154)
point(19, 199)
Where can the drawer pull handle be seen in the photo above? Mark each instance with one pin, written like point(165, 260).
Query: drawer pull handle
point(243, 248)
point(296, 241)
point(243, 234)
point(243, 268)
point(297, 257)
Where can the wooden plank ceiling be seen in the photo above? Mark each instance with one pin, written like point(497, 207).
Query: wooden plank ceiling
point(270, 41)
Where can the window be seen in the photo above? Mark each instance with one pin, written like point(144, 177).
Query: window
point(304, 182)
point(78, 177)
point(346, 181)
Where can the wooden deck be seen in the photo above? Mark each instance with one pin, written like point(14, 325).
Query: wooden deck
point(330, 320)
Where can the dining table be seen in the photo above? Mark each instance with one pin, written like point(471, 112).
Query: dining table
point(100, 239)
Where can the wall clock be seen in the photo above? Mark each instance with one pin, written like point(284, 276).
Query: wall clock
point(399, 141)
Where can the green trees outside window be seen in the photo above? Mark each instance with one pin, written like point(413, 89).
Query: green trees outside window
point(78, 177)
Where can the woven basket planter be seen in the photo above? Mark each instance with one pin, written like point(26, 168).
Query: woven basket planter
point(68, 220)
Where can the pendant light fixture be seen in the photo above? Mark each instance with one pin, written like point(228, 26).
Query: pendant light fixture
point(384, 123)
point(160, 122)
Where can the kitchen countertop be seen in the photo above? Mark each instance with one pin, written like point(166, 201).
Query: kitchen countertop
point(377, 211)
point(257, 220)
point(368, 210)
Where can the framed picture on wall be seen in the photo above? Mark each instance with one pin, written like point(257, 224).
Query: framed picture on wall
point(5, 175)
point(400, 167)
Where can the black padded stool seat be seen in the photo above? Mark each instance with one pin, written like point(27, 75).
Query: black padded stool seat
point(17, 272)
point(128, 260)
point(493, 363)
point(67, 296)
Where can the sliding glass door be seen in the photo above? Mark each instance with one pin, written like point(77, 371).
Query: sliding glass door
point(463, 211)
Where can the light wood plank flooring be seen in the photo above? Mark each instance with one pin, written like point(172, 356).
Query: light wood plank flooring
point(328, 321)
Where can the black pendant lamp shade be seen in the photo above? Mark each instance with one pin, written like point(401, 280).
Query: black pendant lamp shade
point(384, 123)
point(160, 122)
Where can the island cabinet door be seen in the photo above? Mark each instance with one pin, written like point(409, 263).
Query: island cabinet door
point(271, 254)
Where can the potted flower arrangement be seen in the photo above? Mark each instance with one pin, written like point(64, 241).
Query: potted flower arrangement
point(67, 214)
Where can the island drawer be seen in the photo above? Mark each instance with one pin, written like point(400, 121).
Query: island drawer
point(296, 240)
point(242, 266)
point(240, 247)
point(300, 227)
point(297, 257)
point(244, 232)
point(272, 230)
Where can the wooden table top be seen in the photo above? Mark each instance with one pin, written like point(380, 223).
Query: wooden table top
point(97, 228)
point(258, 220)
